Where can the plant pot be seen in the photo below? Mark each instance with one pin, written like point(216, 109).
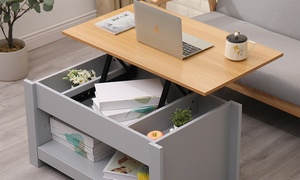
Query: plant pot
point(174, 127)
point(14, 65)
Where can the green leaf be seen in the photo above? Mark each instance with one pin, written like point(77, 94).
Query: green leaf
point(16, 1)
point(37, 7)
point(6, 18)
point(47, 8)
point(32, 2)
point(15, 7)
point(49, 2)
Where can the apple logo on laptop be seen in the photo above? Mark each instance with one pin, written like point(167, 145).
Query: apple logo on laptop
point(156, 29)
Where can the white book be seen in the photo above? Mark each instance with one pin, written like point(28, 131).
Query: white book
point(128, 94)
point(70, 132)
point(125, 123)
point(76, 142)
point(121, 115)
point(82, 152)
point(118, 23)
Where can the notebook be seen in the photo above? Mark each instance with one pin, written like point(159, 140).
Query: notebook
point(163, 31)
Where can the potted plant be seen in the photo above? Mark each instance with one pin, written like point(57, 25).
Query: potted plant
point(181, 116)
point(13, 52)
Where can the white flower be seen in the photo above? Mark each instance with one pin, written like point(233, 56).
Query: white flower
point(77, 77)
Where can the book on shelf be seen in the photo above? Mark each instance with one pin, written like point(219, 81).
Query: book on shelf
point(121, 167)
point(94, 157)
point(75, 140)
point(118, 23)
point(67, 132)
point(78, 141)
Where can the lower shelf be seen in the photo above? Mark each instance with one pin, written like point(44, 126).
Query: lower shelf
point(71, 164)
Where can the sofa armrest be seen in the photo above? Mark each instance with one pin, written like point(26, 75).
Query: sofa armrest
point(212, 5)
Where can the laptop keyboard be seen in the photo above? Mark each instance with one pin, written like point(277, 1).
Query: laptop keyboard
point(189, 49)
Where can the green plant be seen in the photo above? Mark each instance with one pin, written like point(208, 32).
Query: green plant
point(12, 10)
point(181, 116)
point(143, 172)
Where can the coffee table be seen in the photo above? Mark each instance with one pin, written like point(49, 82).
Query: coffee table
point(211, 142)
point(203, 73)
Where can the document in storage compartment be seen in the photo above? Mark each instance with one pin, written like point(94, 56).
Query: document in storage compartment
point(128, 94)
point(121, 167)
point(122, 115)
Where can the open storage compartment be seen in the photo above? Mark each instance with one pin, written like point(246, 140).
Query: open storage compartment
point(206, 147)
point(57, 83)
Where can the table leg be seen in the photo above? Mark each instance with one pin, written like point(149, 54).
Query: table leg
point(131, 71)
point(166, 87)
point(164, 94)
point(106, 68)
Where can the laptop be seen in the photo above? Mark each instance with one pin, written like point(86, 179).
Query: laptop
point(163, 31)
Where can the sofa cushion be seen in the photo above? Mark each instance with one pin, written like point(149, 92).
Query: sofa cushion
point(281, 16)
point(281, 78)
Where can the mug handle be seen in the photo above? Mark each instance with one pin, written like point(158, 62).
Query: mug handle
point(253, 45)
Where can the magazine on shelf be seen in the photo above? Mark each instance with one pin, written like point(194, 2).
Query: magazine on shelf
point(118, 23)
point(121, 167)
point(68, 132)
point(75, 141)
point(94, 157)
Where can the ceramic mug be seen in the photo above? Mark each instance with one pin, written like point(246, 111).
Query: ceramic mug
point(236, 48)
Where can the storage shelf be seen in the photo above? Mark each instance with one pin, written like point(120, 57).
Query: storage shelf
point(211, 140)
point(73, 165)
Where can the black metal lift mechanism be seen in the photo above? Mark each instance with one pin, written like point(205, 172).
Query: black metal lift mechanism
point(132, 72)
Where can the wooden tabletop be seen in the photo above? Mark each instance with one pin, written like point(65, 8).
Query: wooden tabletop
point(203, 73)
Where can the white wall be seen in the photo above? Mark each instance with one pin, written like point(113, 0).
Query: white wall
point(40, 29)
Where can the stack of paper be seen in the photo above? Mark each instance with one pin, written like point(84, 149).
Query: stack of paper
point(127, 100)
point(78, 141)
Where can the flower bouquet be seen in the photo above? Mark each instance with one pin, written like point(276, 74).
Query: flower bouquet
point(80, 76)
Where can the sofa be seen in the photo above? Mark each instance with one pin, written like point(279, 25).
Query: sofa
point(274, 23)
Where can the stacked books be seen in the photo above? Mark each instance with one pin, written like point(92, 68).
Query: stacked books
point(121, 167)
point(127, 100)
point(79, 142)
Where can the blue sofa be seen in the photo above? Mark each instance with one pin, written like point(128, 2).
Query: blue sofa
point(274, 23)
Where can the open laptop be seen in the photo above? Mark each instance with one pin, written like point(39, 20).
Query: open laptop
point(163, 31)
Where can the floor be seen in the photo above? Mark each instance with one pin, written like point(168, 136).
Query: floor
point(14, 157)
